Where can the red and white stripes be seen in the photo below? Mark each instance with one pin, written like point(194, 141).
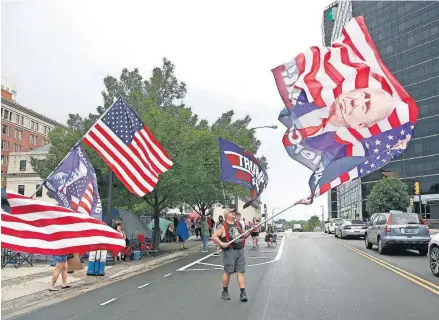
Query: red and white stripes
point(37, 227)
point(138, 164)
point(84, 205)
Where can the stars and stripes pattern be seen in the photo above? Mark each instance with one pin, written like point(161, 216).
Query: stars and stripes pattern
point(84, 205)
point(129, 148)
point(37, 227)
point(321, 74)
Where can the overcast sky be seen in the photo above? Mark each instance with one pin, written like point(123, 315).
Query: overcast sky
point(58, 52)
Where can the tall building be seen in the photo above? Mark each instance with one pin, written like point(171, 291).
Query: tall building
point(22, 129)
point(406, 33)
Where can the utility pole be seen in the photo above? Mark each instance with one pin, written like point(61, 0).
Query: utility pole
point(323, 217)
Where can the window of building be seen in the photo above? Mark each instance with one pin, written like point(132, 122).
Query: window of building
point(5, 145)
point(5, 130)
point(37, 126)
point(32, 125)
point(22, 165)
point(5, 160)
point(39, 192)
point(17, 148)
point(32, 139)
point(21, 189)
point(5, 114)
point(18, 134)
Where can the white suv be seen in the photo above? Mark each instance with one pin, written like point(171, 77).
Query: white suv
point(330, 226)
point(433, 254)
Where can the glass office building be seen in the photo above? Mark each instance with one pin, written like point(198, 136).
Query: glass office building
point(406, 34)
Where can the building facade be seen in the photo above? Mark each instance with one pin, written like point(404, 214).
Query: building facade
point(22, 130)
point(406, 33)
point(22, 178)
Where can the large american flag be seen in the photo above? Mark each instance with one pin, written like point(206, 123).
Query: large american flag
point(311, 83)
point(37, 227)
point(129, 148)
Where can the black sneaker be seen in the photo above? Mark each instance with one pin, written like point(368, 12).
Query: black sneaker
point(243, 296)
point(225, 295)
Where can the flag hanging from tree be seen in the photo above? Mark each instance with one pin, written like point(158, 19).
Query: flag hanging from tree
point(239, 166)
point(128, 148)
point(346, 114)
point(38, 227)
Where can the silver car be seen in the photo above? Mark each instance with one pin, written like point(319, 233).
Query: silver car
point(350, 229)
point(433, 249)
point(398, 230)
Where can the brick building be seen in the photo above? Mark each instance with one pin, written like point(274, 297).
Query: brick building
point(22, 129)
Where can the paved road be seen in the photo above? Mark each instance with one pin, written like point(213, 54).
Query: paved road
point(307, 276)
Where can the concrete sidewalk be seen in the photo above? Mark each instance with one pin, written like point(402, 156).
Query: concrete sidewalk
point(28, 284)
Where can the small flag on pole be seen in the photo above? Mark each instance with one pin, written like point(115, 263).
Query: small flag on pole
point(129, 148)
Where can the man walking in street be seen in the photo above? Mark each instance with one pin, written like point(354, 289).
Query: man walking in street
point(233, 254)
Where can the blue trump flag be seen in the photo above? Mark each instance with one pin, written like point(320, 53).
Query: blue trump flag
point(73, 184)
point(241, 167)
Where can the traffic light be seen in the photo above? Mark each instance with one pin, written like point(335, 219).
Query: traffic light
point(417, 187)
point(412, 203)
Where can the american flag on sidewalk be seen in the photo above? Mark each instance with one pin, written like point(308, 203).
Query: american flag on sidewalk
point(346, 114)
point(129, 148)
point(37, 227)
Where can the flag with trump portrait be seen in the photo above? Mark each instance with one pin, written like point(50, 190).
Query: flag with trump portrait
point(240, 166)
point(346, 114)
point(73, 184)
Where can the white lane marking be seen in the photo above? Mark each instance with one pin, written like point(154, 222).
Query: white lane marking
point(198, 269)
point(281, 250)
point(277, 258)
point(210, 264)
point(143, 286)
point(107, 302)
point(167, 275)
point(195, 262)
point(259, 257)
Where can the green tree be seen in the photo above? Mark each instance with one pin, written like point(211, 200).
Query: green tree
point(313, 222)
point(387, 194)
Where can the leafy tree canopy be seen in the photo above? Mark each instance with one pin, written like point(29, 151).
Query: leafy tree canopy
point(388, 194)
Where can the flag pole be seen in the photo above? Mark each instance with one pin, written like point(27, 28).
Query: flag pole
point(59, 164)
point(302, 201)
point(110, 198)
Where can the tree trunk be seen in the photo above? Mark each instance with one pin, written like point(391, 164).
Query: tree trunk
point(157, 233)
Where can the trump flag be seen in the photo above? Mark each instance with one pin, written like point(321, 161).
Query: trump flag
point(73, 184)
point(346, 114)
point(241, 167)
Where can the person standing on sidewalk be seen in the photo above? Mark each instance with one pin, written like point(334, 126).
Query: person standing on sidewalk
point(182, 233)
point(60, 267)
point(233, 254)
point(255, 233)
point(204, 232)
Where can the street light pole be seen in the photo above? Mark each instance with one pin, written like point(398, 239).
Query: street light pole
point(323, 217)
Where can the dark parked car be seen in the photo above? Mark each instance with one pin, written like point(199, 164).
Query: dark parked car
point(398, 230)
